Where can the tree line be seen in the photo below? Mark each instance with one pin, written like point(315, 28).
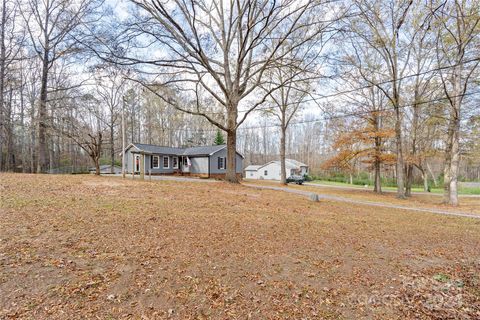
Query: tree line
point(385, 86)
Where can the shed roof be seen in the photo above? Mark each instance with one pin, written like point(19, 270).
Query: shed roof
point(252, 168)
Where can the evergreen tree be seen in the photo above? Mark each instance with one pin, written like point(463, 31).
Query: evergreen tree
point(219, 138)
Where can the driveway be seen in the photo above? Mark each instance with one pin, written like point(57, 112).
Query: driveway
point(367, 203)
point(319, 185)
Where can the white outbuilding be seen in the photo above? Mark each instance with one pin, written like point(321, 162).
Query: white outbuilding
point(272, 170)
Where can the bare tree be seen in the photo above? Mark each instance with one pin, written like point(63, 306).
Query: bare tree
point(86, 127)
point(294, 77)
point(11, 39)
point(110, 87)
point(422, 88)
point(53, 27)
point(458, 25)
point(219, 50)
point(380, 27)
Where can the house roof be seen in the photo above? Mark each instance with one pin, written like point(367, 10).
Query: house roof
point(192, 151)
point(202, 150)
point(252, 168)
point(289, 164)
point(296, 163)
point(150, 148)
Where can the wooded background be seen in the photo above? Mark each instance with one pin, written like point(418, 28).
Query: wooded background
point(378, 89)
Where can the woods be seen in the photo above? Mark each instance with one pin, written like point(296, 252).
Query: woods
point(383, 88)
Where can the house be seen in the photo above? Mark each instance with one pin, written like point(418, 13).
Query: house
point(272, 170)
point(202, 161)
point(106, 169)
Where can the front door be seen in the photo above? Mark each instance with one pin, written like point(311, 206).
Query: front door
point(185, 164)
point(136, 162)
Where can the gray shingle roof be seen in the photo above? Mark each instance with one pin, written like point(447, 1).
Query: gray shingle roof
point(150, 148)
point(203, 150)
point(193, 151)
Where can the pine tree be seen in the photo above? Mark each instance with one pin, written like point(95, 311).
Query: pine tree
point(219, 140)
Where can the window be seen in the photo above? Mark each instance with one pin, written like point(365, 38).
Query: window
point(166, 163)
point(222, 163)
point(185, 161)
point(251, 174)
point(175, 162)
point(265, 173)
point(155, 162)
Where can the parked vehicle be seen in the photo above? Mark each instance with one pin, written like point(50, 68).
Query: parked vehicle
point(296, 179)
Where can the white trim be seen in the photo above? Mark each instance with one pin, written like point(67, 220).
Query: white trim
point(224, 147)
point(173, 162)
point(163, 162)
point(158, 162)
point(211, 154)
point(135, 157)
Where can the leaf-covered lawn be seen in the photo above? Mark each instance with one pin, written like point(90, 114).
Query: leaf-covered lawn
point(85, 246)
point(468, 203)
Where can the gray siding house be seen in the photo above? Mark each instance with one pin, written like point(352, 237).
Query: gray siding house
point(204, 161)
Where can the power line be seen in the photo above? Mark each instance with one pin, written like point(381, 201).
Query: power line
point(333, 117)
point(340, 93)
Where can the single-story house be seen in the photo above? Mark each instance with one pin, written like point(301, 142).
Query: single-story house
point(202, 161)
point(272, 170)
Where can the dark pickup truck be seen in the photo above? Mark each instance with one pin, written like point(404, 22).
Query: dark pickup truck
point(296, 179)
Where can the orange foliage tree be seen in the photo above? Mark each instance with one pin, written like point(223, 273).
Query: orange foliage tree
point(363, 142)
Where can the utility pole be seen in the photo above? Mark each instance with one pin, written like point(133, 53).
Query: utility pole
point(123, 137)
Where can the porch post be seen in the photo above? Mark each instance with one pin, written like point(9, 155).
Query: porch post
point(133, 166)
point(142, 166)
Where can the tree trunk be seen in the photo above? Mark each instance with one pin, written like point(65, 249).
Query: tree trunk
point(378, 182)
point(283, 169)
point(97, 165)
point(409, 182)
point(112, 148)
point(351, 178)
point(425, 181)
point(399, 152)
point(33, 137)
point(42, 163)
point(434, 178)
point(2, 78)
point(454, 165)
point(231, 175)
point(8, 126)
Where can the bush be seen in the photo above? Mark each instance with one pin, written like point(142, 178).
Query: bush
point(308, 178)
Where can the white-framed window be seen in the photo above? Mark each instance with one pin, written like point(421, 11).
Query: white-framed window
point(265, 173)
point(166, 162)
point(222, 163)
point(155, 162)
point(175, 162)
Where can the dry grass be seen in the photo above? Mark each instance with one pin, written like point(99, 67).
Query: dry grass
point(468, 204)
point(84, 246)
